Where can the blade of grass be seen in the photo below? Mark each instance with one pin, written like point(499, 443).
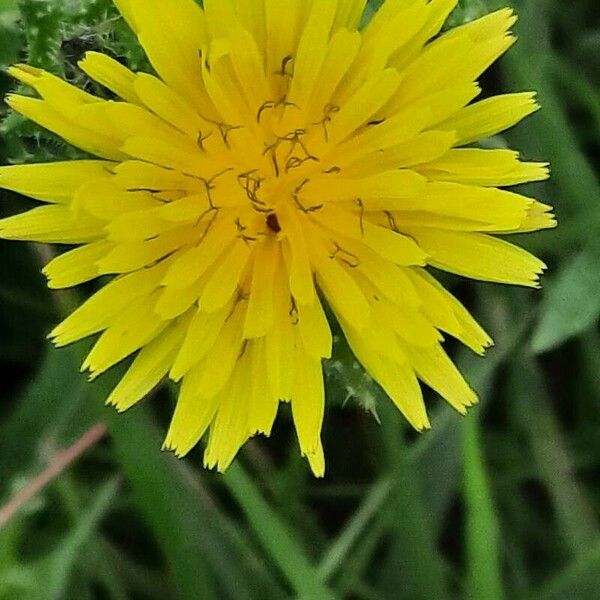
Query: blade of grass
point(437, 453)
point(56, 571)
point(354, 529)
point(192, 546)
point(233, 535)
point(574, 513)
point(352, 569)
point(420, 571)
point(484, 579)
point(279, 542)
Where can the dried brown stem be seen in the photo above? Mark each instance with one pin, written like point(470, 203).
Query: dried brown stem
point(59, 463)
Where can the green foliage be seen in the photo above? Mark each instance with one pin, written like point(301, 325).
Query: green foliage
point(482, 532)
point(502, 504)
point(572, 302)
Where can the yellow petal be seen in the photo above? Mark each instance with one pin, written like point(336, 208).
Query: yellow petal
point(229, 429)
point(167, 104)
point(480, 257)
point(297, 257)
point(192, 417)
point(333, 277)
point(263, 405)
point(128, 257)
point(260, 315)
point(201, 336)
point(51, 224)
point(91, 141)
point(439, 372)
point(308, 401)
point(280, 342)
point(111, 74)
point(397, 379)
point(315, 331)
point(226, 278)
point(53, 182)
point(149, 367)
point(447, 313)
point(76, 266)
point(96, 313)
point(173, 33)
point(363, 104)
point(135, 327)
point(474, 166)
point(389, 244)
point(490, 116)
point(193, 263)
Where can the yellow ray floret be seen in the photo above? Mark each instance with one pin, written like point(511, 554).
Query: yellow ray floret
point(280, 170)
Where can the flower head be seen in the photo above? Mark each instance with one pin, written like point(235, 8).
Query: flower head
point(280, 159)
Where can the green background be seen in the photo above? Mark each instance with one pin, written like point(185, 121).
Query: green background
point(502, 504)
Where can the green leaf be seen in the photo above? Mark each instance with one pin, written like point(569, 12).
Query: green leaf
point(43, 21)
point(482, 532)
point(26, 308)
point(415, 569)
point(56, 570)
point(43, 410)
point(572, 302)
point(183, 524)
point(280, 543)
point(354, 529)
point(575, 514)
point(437, 453)
point(579, 581)
point(10, 35)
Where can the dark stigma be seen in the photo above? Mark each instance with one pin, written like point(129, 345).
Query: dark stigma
point(273, 223)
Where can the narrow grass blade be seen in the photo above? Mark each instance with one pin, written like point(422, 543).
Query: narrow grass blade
point(62, 562)
point(418, 568)
point(484, 579)
point(574, 513)
point(279, 542)
point(360, 521)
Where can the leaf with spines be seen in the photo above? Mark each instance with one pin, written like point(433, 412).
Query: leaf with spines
point(42, 22)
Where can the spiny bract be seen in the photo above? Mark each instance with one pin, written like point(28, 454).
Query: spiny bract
point(279, 159)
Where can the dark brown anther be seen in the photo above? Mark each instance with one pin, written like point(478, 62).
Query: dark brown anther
point(273, 223)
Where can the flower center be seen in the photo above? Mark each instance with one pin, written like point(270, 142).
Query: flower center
point(268, 163)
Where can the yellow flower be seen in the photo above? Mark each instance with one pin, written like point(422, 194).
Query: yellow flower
point(281, 159)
